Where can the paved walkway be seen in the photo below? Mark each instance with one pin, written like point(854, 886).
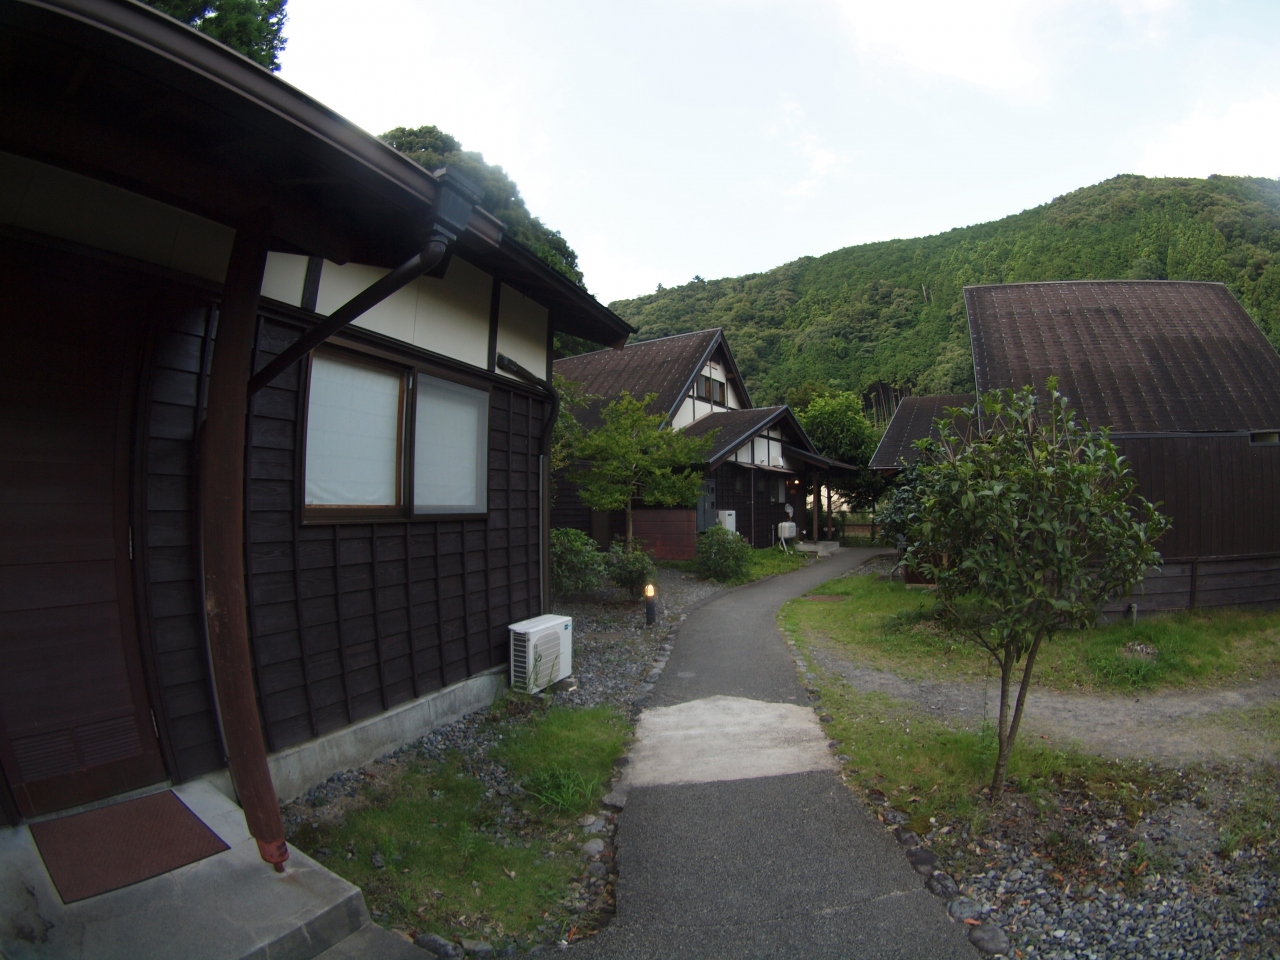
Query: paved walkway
point(738, 839)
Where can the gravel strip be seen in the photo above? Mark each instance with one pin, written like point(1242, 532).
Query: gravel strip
point(1065, 881)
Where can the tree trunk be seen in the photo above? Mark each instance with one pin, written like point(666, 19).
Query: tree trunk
point(1022, 689)
point(1002, 730)
point(1010, 733)
point(628, 526)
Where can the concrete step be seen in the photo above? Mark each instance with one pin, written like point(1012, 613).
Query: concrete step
point(823, 548)
point(230, 906)
point(372, 942)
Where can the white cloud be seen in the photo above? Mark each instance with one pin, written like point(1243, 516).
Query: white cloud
point(1241, 138)
point(1010, 47)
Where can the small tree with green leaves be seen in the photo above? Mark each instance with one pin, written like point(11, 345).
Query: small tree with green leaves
point(839, 428)
point(1029, 523)
point(632, 456)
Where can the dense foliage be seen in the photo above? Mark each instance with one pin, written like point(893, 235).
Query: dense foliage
point(722, 555)
point(893, 312)
point(576, 565)
point(630, 457)
point(629, 569)
point(253, 27)
point(433, 148)
point(840, 430)
point(1028, 524)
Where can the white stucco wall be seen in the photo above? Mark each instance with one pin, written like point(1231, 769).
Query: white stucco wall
point(522, 331)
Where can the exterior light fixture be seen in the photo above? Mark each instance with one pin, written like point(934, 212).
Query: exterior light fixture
point(650, 605)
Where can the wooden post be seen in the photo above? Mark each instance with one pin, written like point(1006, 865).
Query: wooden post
point(817, 509)
point(222, 502)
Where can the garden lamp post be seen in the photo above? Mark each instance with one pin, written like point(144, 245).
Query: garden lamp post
point(650, 605)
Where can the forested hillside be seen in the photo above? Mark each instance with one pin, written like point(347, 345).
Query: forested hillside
point(893, 312)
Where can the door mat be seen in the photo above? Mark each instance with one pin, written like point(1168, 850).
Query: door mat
point(112, 847)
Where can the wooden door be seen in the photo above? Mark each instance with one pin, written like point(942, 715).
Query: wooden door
point(75, 723)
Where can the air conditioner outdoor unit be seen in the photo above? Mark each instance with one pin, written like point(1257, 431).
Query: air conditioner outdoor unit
point(541, 652)
point(728, 519)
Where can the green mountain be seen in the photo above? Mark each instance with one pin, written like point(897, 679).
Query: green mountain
point(893, 313)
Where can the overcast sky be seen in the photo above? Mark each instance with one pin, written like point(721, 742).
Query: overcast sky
point(719, 138)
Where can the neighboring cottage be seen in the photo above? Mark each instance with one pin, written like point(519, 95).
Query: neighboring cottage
point(761, 461)
point(183, 587)
point(1190, 390)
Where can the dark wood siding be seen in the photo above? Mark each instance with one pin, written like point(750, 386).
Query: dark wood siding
point(734, 491)
point(567, 509)
point(168, 545)
point(1220, 492)
point(75, 721)
point(346, 620)
point(349, 620)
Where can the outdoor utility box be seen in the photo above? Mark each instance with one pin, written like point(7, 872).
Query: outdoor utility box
point(728, 519)
point(541, 652)
point(787, 530)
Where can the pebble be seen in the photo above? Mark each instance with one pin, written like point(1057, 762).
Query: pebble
point(438, 945)
point(593, 847)
point(989, 939)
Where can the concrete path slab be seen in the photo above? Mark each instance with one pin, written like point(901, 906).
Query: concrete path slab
point(738, 839)
point(226, 907)
point(724, 738)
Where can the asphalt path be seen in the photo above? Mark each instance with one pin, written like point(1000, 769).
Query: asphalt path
point(738, 839)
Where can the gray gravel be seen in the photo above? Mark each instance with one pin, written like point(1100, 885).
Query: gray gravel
point(1191, 903)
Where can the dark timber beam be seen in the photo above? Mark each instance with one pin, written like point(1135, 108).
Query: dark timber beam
point(222, 506)
point(456, 199)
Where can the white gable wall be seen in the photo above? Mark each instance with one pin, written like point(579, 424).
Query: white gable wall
point(522, 331)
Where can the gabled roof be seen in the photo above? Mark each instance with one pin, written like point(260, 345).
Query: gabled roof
point(912, 421)
point(736, 427)
point(1138, 356)
point(665, 366)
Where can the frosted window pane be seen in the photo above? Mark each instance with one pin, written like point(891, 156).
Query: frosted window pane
point(451, 449)
point(353, 422)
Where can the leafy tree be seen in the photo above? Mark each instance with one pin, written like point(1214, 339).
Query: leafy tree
point(253, 27)
point(632, 456)
point(567, 429)
point(840, 430)
point(894, 311)
point(1028, 522)
point(433, 148)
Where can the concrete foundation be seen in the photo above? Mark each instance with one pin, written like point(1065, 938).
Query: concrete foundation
point(297, 769)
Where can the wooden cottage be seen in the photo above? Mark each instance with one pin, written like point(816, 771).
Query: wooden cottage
point(1190, 390)
point(274, 403)
point(760, 463)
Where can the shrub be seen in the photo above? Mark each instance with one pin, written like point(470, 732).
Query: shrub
point(576, 565)
point(630, 570)
point(722, 555)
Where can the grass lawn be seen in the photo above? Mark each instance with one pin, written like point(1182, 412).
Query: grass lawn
point(764, 562)
point(896, 756)
point(889, 626)
point(458, 859)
